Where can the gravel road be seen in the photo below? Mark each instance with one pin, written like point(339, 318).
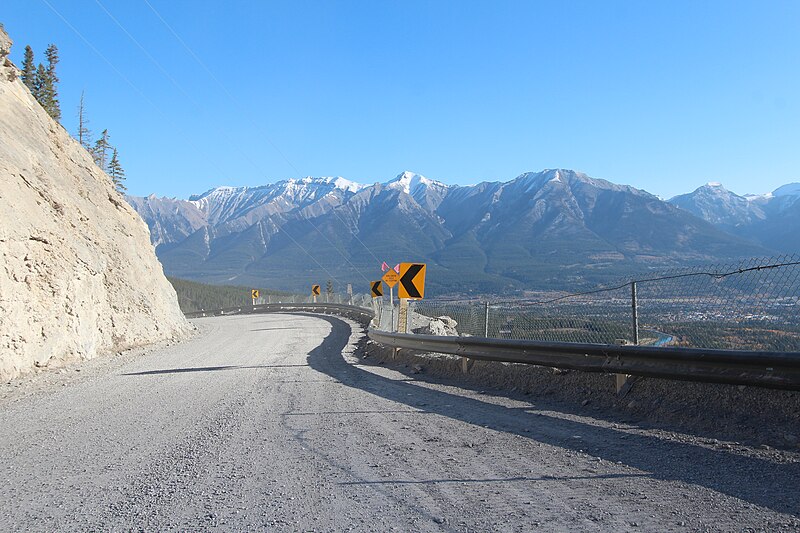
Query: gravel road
point(272, 422)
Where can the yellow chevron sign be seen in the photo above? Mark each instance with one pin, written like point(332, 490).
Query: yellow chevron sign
point(255, 294)
point(412, 280)
point(315, 290)
point(377, 289)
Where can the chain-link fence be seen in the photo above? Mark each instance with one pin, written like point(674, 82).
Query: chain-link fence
point(752, 305)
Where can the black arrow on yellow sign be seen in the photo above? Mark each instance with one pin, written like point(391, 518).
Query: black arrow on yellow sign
point(412, 280)
point(315, 290)
point(377, 288)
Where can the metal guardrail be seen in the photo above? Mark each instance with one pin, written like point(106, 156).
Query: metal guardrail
point(779, 370)
point(351, 311)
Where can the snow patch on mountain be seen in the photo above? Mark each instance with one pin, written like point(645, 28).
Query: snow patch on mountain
point(337, 183)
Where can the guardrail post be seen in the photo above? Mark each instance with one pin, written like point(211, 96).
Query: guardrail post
point(486, 319)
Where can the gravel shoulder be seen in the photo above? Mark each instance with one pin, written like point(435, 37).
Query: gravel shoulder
point(277, 422)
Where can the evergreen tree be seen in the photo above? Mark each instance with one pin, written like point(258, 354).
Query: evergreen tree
point(117, 173)
point(329, 287)
point(52, 104)
point(45, 92)
point(101, 149)
point(43, 81)
point(84, 135)
point(28, 69)
point(39, 82)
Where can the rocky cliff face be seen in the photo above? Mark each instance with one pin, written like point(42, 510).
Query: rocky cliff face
point(78, 275)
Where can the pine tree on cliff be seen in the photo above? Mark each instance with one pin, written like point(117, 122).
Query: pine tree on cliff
point(52, 104)
point(39, 81)
point(28, 69)
point(84, 135)
point(117, 173)
point(101, 149)
point(45, 92)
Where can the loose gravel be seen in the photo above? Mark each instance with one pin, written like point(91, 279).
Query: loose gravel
point(277, 422)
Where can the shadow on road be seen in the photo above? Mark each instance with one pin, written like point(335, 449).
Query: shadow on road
point(203, 369)
point(758, 481)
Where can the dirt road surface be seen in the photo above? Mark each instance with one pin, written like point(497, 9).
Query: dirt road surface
point(269, 422)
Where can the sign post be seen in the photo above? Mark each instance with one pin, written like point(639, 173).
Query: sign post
point(254, 294)
point(376, 291)
point(391, 278)
point(402, 316)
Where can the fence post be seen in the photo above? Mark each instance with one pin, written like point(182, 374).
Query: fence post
point(486, 319)
point(635, 313)
point(623, 381)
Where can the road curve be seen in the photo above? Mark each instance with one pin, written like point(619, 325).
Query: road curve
point(269, 422)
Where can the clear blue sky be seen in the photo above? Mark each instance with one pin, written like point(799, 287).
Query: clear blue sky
point(661, 95)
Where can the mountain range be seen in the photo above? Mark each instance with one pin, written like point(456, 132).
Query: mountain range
point(552, 229)
point(771, 220)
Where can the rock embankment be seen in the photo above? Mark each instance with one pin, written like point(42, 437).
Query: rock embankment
point(78, 276)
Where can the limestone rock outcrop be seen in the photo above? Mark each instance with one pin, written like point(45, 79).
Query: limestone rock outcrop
point(78, 275)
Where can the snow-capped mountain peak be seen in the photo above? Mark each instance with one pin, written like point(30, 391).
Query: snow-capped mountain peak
point(411, 183)
point(347, 185)
point(415, 185)
point(790, 189)
point(716, 204)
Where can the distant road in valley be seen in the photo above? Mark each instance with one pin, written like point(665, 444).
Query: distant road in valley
point(271, 422)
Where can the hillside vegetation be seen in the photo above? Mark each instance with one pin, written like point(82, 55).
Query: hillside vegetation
point(193, 296)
